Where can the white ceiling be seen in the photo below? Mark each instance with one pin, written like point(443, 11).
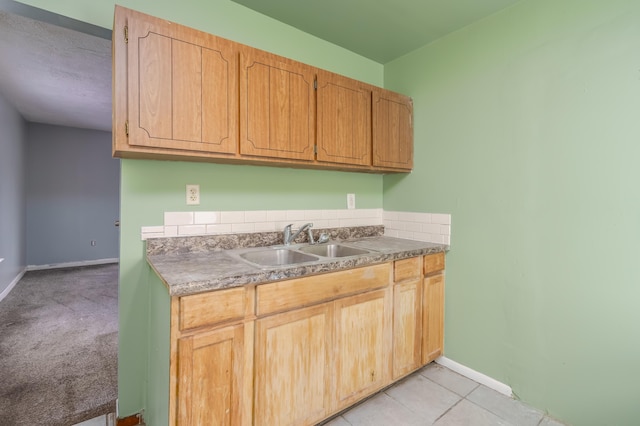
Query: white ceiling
point(55, 75)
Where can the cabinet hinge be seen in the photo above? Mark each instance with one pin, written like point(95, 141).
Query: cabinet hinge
point(126, 128)
point(126, 34)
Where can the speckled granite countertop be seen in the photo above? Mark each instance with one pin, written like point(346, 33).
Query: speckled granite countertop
point(186, 271)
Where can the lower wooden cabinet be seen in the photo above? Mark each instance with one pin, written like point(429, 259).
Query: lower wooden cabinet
point(293, 367)
point(238, 357)
point(210, 372)
point(433, 318)
point(363, 339)
point(407, 327)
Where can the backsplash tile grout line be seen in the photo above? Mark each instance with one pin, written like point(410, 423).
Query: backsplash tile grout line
point(430, 227)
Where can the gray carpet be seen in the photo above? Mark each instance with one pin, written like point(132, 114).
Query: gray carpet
point(58, 346)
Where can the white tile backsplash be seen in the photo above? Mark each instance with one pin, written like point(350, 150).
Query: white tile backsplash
point(232, 217)
point(192, 229)
point(205, 218)
point(178, 218)
point(431, 227)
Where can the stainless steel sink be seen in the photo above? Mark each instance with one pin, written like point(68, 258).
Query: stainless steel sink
point(275, 257)
point(333, 250)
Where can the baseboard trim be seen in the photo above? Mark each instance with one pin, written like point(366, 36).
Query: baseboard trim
point(72, 264)
point(475, 376)
point(13, 283)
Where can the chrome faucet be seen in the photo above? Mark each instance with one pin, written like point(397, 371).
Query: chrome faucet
point(288, 237)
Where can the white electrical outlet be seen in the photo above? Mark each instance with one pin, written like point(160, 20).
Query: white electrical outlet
point(193, 195)
point(351, 201)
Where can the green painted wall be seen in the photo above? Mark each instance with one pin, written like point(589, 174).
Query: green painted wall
point(148, 188)
point(527, 130)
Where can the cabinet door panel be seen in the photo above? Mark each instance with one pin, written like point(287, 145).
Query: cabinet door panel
point(393, 130)
point(277, 101)
point(292, 379)
point(362, 341)
point(210, 371)
point(344, 120)
point(433, 318)
point(182, 87)
point(407, 327)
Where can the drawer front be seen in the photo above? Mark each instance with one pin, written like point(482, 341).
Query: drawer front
point(433, 263)
point(299, 292)
point(213, 307)
point(406, 269)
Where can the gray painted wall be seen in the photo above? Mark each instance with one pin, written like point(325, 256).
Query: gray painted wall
point(12, 194)
point(73, 195)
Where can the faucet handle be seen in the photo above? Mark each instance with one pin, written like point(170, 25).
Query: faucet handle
point(323, 238)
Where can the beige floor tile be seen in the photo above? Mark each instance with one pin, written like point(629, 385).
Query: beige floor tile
point(449, 379)
point(506, 408)
point(382, 410)
point(338, 421)
point(424, 397)
point(466, 413)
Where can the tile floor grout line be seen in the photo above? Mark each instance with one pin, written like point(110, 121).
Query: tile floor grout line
point(449, 409)
point(451, 390)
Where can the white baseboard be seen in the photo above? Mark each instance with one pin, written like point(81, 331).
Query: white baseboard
point(72, 264)
point(475, 376)
point(13, 283)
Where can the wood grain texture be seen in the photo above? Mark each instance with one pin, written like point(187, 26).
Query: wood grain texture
point(293, 367)
point(290, 294)
point(433, 318)
point(407, 327)
point(174, 332)
point(181, 87)
point(213, 307)
point(277, 106)
point(433, 263)
point(211, 371)
point(407, 269)
point(392, 130)
point(184, 96)
point(362, 341)
point(344, 119)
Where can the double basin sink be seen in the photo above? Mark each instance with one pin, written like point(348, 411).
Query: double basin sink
point(292, 255)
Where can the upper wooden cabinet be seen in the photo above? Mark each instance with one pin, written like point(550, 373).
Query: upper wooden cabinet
point(183, 94)
point(277, 107)
point(178, 90)
point(344, 120)
point(392, 130)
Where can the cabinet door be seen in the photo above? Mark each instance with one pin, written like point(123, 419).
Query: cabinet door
point(277, 107)
point(181, 87)
point(344, 120)
point(407, 327)
point(292, 367)
point(392, 130)
point(210, 373)
point(433, 318)
point(362, 342)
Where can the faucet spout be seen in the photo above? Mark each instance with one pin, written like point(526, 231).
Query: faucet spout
point(288, 237)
